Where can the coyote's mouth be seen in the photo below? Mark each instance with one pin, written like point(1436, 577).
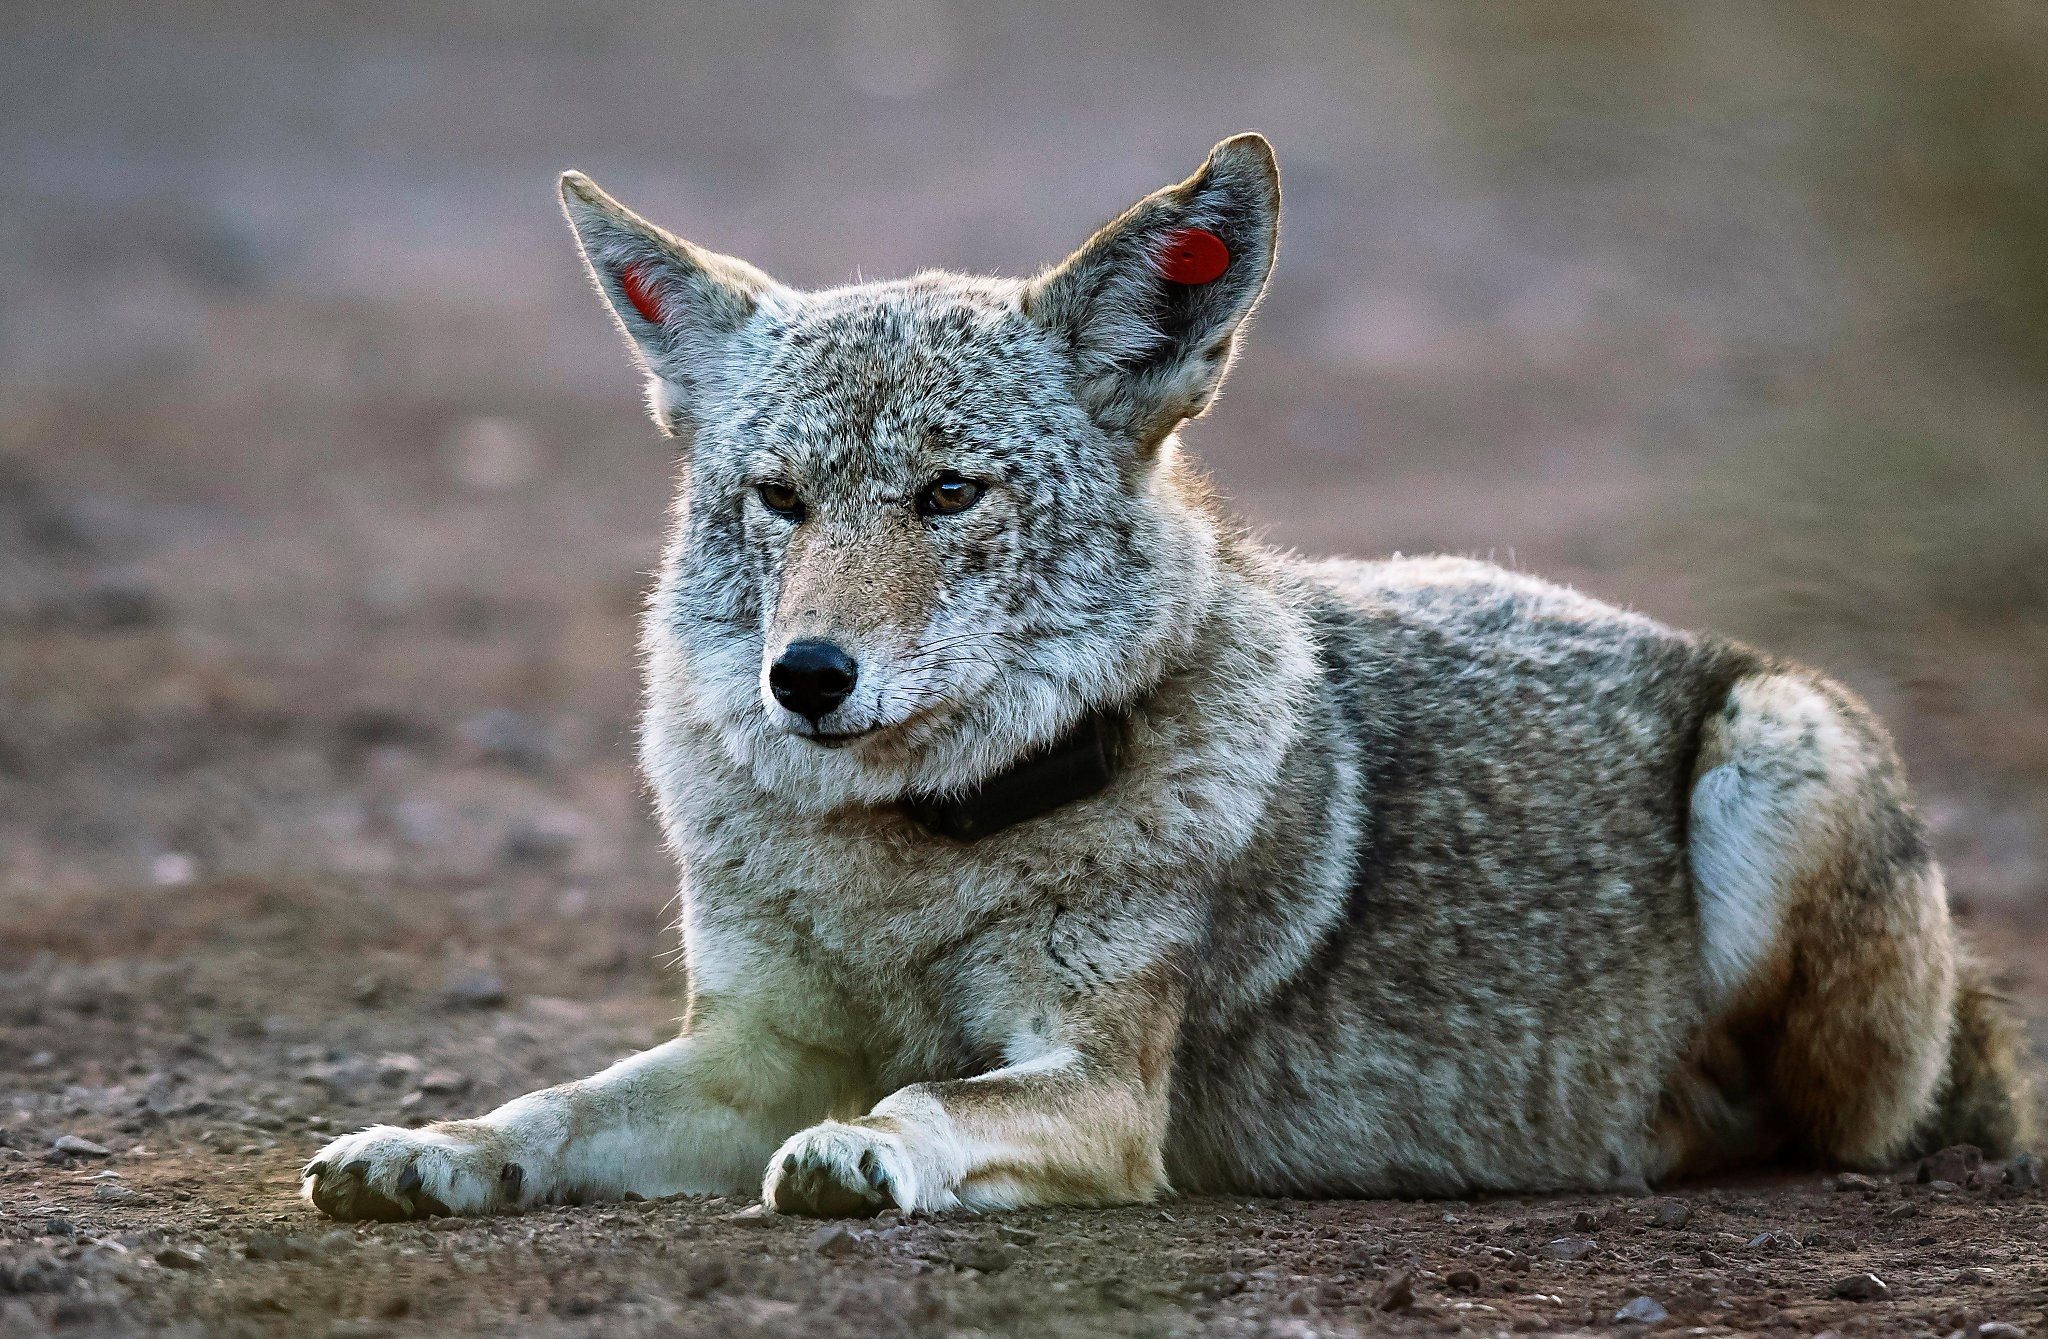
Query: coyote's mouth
point(829, 740)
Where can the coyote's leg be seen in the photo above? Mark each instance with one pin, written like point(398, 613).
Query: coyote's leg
point(697, 1114)
point(1079, 1118)
point(1827, 951)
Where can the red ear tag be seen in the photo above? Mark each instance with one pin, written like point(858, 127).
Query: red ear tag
point(638, 281)
point(1194, 256)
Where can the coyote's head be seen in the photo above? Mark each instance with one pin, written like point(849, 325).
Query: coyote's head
point(925, 525)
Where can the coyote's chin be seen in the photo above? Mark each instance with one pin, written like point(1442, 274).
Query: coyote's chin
point(1046, 840)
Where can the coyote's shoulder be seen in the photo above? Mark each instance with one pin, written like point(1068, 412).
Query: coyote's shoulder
point(1044, 839)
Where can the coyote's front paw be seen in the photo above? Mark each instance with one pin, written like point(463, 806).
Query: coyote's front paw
point(834, 1170)
point(391, 1174)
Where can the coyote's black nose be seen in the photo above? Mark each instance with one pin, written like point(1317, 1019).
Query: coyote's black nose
point(811, 678)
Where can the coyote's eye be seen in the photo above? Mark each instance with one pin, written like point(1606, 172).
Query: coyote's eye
point(948, 494)
point(782, 500)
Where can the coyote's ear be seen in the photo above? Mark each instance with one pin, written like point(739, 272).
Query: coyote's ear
point(679, 304)
point(1150, 307)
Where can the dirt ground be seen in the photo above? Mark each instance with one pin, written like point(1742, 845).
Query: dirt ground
point(203, 1051)
point(326, 508)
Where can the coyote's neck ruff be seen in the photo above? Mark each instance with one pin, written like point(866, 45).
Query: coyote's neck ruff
point(1045, 839)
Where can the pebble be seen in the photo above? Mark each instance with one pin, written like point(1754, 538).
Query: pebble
point(481, 991)
point(1397, 1293)
point(1861, 1288)
point(444, 1083)
point(1953, 1164)
point(1858, 1183)
point(990, 1257)
point(396, 1070)
point(1671, 1213)
point(509, 738)
point(1643, 1311)
point(104, 605)
point(177, 1257)
point(757, 1215)
point(2024, 1172)
point(705, 1276)
point(832, 1240)
point(1464, 1281)
point(1996, 1329)
point(1568, 1248)
point(79, 1147)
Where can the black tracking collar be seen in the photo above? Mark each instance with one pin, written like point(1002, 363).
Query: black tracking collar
point(1070, 768)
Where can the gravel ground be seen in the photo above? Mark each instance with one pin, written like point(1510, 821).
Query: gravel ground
point(164, 1084)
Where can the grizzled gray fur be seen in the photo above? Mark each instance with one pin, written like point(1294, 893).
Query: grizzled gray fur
point(1410, 877)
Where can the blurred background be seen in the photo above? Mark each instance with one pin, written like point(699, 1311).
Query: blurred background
point(326, 500)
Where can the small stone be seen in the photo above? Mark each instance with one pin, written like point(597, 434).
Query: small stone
point(1643, 1311)
point(444, 1083)
point(80, 1147)
point(990, 1257)
point(481, 991)
point(1464, 1281)
point(531, 843)
point(1941, 1187)
point(1709, 1260)
point(1858, 1183)
point(832, 1240)
point(1397, 1293)
point(114, 1194)
point(59, 1227)
point(395, 1071)
point(1017, 1236)
point(1671, 1213)
point(1953, 1164)
point(264, 1246)
point(1771, 1241)
point(1568, 1248)
point(756, 1215)
point(105, 605)
point(1998, 1329)
point(509, 738)
point(2023, 1172)
point(177, 1257)
point(1861, 1288)
point(1585, 1221)
point(705, 1276)
point(367, 988)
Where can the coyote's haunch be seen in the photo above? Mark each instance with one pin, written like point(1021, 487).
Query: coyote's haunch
point(1045, 839)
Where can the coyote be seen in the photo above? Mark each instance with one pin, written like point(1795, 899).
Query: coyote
point(1045, 839)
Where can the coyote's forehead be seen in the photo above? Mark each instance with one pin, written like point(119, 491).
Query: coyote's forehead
point(861, 391)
